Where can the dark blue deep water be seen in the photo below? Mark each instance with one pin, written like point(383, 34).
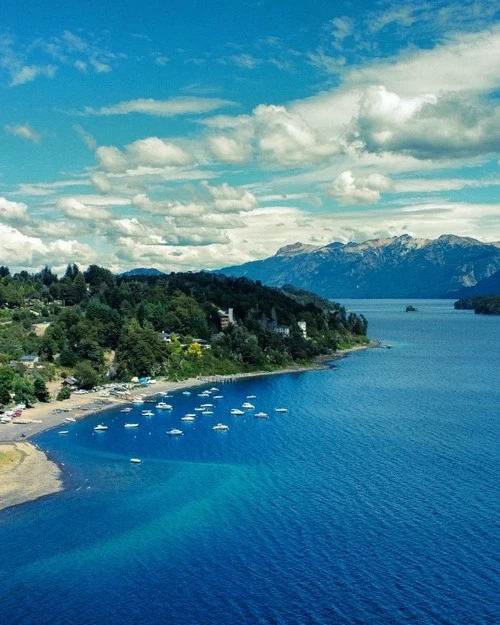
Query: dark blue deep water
point(373, 500)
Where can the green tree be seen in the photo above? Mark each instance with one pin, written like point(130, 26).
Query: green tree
point(64, 393)
point(86, 375)
point(23, 391)
point(40, 390)
point(7, 376)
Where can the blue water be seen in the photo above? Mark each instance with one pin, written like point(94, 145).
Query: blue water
point(373, 500)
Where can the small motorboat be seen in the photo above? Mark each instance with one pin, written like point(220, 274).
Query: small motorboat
point(175, 432)
point(186, 392)
point(148, 413)
point(188, 418)
point(135, 460)
point(236, 411)
point(220, 427)
point(217, 396)
point(251, 396)
point(248, 406)
point(100, 428)
point(63, 431)
point(126, 409)
point(161, 405)
point(261, 415)
point(281, 409)
point(131, 425)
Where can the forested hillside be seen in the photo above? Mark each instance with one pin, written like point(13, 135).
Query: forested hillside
point(95, 326)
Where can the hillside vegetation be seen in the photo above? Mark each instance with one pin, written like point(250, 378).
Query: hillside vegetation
point(480, 304)
point(101, 327)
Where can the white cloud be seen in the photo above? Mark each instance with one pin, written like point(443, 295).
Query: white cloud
point(20, 250)
point(27, 73)
point(157, 153)
point(150, 152)
point(86, 137)
point(229, 149)
point(230, 199)
point(362, 190)
point(285, 139)
point(12, 211)
point(162, 108)
point(427, 126)
point(24, 131)
point(78, 210)
point(166, 207)
point(101, 182)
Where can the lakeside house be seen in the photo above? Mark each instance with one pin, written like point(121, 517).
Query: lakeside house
point(29, 360)
point(226, 318)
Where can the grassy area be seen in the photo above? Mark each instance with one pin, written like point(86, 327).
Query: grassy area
point(9, 458)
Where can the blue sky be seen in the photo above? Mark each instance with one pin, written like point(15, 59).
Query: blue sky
point(188, 135)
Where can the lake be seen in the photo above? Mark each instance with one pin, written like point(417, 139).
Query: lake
point(373, 500)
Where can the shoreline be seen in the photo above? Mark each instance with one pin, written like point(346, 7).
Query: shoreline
point(27, 473)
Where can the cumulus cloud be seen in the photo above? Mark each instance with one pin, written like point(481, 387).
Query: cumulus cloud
point(20, 250)
point(101, 182)
point(230, 149)
point(162, 108)
point(286, 139)
point(348, 189)
point(24, 131)
point(166, 207)
point(13, 211)
point(229, 199)
point(427, 126)
point(150, 152)
point(78, 210)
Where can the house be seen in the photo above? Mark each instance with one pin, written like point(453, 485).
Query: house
point(166, 336)
point(29, 360)
point(303, 326)
point(70, 381)
point(202, 343)
point(226, 318)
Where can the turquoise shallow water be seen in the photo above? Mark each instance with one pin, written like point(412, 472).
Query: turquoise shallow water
point(374, 499)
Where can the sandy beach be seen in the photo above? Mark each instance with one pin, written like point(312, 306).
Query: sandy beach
point(26, 473)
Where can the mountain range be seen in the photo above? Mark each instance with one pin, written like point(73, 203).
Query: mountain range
point(397, 267)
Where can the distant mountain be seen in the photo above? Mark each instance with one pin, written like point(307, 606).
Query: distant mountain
point(141, 271)
point(396, 267)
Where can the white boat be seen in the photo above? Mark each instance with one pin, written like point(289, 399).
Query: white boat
point(70, 419)
point(131, 425)
point(251, 396)
point(161, 405)
point(281, 409)
point(261, 415)
point(138, 400)
point(221, 427)
point(63, 431)
point(135, 460)
point(186, 392)
point(127, 409)
point(248, 405)
point(204, 394)
point(100, 428)
point(188, 417)
point(208, 412)
point(199, 409)
point(236, 411)
point(175, 432)
point(148, 413)
point(206, 405)
point(214, 389)
point(217, 396)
